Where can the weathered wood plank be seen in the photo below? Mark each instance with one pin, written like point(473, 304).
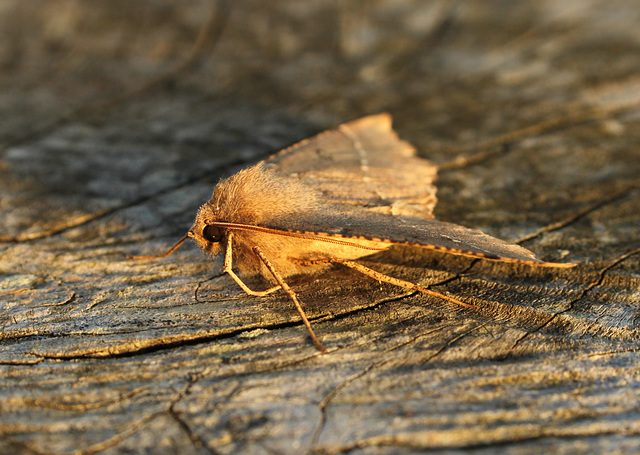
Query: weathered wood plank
point(118, 118)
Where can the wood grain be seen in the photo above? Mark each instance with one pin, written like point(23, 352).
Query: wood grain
point(118, 119)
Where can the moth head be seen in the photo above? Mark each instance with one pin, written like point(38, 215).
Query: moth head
point(209, 237)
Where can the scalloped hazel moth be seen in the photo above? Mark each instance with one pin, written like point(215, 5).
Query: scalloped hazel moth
point(339, 196)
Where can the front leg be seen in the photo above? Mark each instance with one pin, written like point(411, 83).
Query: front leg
point(228, 268)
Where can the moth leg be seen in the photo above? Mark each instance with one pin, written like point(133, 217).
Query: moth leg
point(228, 264)
point(292, 294)
point(396, 281)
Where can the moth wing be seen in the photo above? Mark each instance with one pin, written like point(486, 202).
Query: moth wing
point(414, 231)
point(363, 164)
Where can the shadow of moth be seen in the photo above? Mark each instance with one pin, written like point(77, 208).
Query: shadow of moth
point(331, 199)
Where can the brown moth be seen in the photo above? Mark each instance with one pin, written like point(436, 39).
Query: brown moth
point(339, 196)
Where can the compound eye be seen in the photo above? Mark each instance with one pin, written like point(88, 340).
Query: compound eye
point(212, 233)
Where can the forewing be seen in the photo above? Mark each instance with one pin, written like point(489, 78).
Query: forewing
point(415, 231)
point(374, 187)
point(363, 164)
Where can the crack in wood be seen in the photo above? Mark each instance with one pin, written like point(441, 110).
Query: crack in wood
point(207, 39)
point(59, 404)
point(594, 206)
point(197, 441)
point(71, 298)
point(322, 406)
point(99, 214)
point(600, 278)
point(499, 145)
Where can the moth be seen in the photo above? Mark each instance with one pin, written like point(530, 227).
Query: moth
point(342, 195)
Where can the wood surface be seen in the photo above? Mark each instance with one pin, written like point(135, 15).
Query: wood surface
point(118, 118)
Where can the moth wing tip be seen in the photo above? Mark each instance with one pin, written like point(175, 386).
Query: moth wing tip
point(381, 119)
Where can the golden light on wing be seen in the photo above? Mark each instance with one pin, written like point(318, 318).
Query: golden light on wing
point(363, 164)
point(335, 195)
